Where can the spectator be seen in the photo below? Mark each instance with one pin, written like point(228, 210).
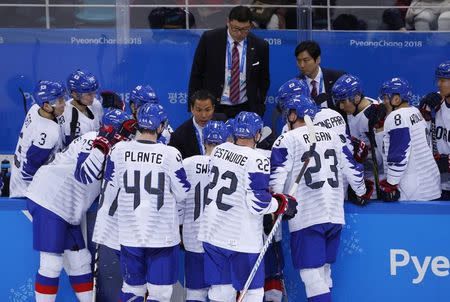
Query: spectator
point(242, 85)
point(269, 17)
point(394, 18)
point(188, 138)
point(429, 14)
point(319, 80)
point(349, 22)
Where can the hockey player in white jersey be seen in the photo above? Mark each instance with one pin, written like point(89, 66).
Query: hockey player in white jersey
point(143, 94)
point(84, 112)
point(365, 120)
point(151, 182)
point(197, 170)
point(40, 136)
point(435, 107)
point(231, 226)
point(57, 203)
point(411, 172)
point(315, 230)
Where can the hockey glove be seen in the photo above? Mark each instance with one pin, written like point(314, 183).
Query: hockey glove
point(287, 205)
point(105, 136)
point(389, 192)
point(443, 162)
point(360, 150)
point(376, 114)
point(110, 99)
point(362, 200)
point(430, 102)
point(128, 130)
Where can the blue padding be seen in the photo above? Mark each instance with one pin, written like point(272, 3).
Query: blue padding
point(12, 204)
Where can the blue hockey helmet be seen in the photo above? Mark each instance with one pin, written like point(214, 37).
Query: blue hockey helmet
point(397, 86)
point(247, 124)
point(115, 118)
point(303, 105)
point(48, 92)
point(82, 81)
point(346, 88)
point(443, 70)
point(151, 116)
point(143, 94)
point(215, 132)
point(291, 87)
point(230, 126)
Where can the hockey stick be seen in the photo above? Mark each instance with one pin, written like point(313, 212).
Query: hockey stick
point(265, 132)
point(24, 100)
point(292, 191)
point(95, 273)
point(373, 145)
point(433, 132)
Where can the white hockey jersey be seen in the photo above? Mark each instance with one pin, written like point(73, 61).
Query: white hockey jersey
point(39, 140)
point(320, 195)
point(54, 186)
point(84, 124)
point(237, 199)
point(442, 137)
point(151, 181)
point(408, 159)
point(197, 171)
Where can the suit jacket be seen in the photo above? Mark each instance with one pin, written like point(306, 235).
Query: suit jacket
point(208, 67)
point(330, 76)
point(185, 139)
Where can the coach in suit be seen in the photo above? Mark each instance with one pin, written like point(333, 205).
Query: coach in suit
point(320, 80)
point(188, 138)
point(233, 64)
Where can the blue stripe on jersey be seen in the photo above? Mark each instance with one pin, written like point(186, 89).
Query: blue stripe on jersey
point(80, 173)
point(259, 182)
point(35, 158)
point(181, 175)
point(399, 140)
point(354, 165)
point(109, 170)
point(278, 158)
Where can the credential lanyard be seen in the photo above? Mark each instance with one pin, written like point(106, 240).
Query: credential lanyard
point(199, 141)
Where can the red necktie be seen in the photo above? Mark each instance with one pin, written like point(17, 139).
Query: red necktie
point(314, 89)
point(234, 86)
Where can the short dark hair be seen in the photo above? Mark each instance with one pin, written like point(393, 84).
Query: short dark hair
point(241, 14)
point(312, 47)
point(201, 94)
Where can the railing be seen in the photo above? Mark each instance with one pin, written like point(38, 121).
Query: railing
point(304, 9)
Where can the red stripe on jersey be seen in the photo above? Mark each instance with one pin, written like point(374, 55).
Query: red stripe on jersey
point(46, 289)
point(83, 287)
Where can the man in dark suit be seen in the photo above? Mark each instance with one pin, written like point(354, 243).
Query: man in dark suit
point(320, 80)
point(188, 138)
point(233, 64)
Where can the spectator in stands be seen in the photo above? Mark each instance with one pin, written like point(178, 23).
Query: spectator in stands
point(349, 22)
point(429, 14)
point(320, 80)
point(394, 18)
point(188, 138)
point(269, 17)
point(242, 85)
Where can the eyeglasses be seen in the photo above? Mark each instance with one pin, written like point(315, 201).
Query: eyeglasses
point(244, 30)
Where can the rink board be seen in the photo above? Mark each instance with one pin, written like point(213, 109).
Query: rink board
point(375, 239)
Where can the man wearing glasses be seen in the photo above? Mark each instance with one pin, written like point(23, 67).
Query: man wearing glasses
point(233, 64)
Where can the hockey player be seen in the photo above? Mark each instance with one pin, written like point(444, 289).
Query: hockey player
point(151, 181)
point(411, 172)
point(315, 231)
point(197, 170)
point(438, 105)
point(365, 120)
point(84, 112)
point(143, 94)
point(57, 203)
point(39, 137)
point(231, 226)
